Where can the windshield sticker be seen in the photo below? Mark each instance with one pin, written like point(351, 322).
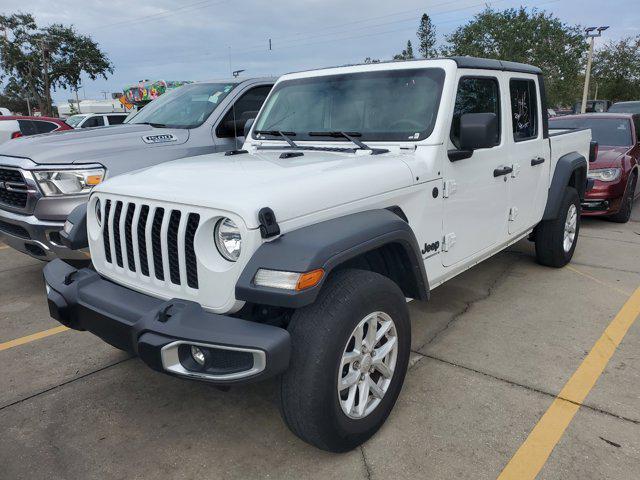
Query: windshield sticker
point(163, 138)
point(415, 136)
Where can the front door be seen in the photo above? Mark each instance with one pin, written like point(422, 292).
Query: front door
point(475, 203)
point(529, 153)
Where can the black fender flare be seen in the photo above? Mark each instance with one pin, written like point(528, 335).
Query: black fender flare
point(328, 245)
point(565, 168)
point(74, 234)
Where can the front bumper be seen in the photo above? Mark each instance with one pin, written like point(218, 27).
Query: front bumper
point(605, 198)
point(158, 331)
point(36, 237)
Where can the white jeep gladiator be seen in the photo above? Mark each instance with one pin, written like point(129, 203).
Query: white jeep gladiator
point(357, 188)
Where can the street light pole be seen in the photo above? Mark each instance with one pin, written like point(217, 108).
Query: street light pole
point(592, 33)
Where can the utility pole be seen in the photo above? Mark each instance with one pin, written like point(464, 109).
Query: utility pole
point(77, 100)
point(592, 33)
point(44, 48)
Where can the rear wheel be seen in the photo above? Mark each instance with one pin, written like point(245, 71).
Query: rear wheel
point(624, 214)
point(350, 352)
point(556, 239)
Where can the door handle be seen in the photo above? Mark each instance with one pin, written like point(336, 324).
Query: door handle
point(537, 161)
point(502, 171)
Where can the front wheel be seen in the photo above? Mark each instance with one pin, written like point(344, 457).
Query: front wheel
point(556, 239)
point(350, 352)
point(624, 214)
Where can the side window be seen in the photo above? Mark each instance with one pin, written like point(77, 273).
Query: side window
point(245, 108)
point(97, 121)
point(116, 119)
point(44, 127)
point(475, 95)
point(636, 121)
point(27, 127)
point(524, 109)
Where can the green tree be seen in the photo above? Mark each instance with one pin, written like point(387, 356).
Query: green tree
point(535, 37)
point(406, 54)
point(427, 37)
point(42, 58)
point(616, 70)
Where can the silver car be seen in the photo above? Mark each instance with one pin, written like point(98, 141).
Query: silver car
point(44, 177)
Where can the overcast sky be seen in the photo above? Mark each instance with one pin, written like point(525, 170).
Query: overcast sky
point(201, 39)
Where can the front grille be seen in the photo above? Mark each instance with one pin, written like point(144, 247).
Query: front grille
point(139, 234)
point(13, 198)
point(15, 230)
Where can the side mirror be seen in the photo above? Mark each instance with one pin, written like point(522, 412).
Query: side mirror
point(478, 130)
point(247, 127)
point(593, 151)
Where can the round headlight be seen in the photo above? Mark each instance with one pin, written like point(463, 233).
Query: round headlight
point(228, 239)
point(98, 213)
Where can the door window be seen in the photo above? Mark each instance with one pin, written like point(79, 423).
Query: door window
point(636, 121)
point(27, 127)
point(44, 127)
point(246, 107)
point(524, 109)
point(116, 119)
point(475, 95)
point(96, 121)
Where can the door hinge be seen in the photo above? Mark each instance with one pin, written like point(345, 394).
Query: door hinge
point(449, 188)
point(448, 241)
point(516, 170)
point(513, 213)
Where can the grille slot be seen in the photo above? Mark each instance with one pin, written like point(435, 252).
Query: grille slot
point(142, 240)
point(105, 231)
point(128, 236)
point(156, 243)
point(190, 254)
point(116, 234)
point(172, 245)
point(16, 180)
point(149, 236)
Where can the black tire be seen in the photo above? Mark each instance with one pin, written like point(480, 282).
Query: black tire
point(624, 214)
point(549, 234)
point(309, 401)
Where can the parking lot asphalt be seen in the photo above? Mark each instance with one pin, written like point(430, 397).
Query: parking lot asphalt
point(492, 351)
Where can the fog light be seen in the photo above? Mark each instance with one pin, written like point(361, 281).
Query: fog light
point(198, 355)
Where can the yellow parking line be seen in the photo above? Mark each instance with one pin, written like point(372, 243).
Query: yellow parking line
point(534, 452)
point(33, 337)
point(597, 280)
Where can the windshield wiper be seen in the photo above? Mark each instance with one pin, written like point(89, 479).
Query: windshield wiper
point(279, 133)
point(156, 125)
point(351, 137)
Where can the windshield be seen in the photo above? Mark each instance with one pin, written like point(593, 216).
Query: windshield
point(399, 105)
point(626, 107)
point(185, 107)
point(74, 120)
point(613, 132)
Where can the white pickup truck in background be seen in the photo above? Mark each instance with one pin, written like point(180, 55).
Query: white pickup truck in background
point(358, 187)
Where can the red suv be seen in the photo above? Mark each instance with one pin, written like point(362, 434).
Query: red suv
point(18, 126)
point(615, 171)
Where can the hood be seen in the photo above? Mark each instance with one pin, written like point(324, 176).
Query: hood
point(245, 183)
point(609, 157)
point(89, 145)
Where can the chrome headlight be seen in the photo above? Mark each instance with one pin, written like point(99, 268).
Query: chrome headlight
point(54, 183)
point(605, 174)
point(228, 239)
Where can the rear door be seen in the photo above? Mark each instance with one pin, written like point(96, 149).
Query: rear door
point(529, 154)
point(475, 199)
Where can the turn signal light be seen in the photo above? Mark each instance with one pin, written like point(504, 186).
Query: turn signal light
point(94, 180)
point(309, 279)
